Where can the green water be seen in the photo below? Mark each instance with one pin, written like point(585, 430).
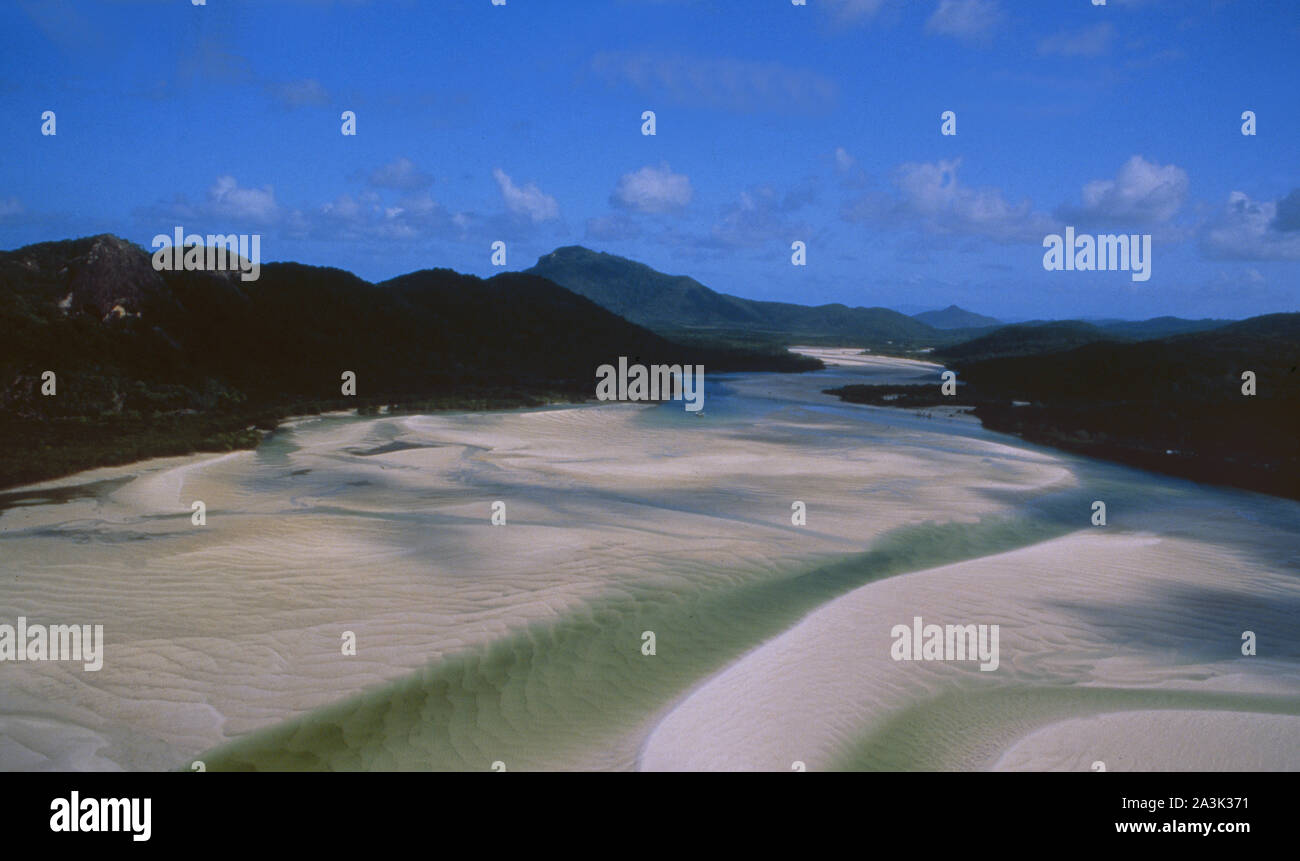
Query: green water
point(552, 694)
point(577, 690)
point(968, 729)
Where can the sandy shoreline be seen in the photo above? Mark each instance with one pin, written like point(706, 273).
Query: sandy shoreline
point(1167, 740)
point(1079, 610)
point(620, 518)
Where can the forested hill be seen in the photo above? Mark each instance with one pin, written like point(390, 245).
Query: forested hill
point(149, 363)
point(1178, 404)
point(953, 317)
point(675, 303)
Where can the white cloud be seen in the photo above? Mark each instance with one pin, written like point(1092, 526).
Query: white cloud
point(1143, 192)
point(528, 200)
point(843, 161)
point(971, 20)
point(418, 205)
point(929, 194)
point(10, 206)
point(1247, 229)
point(364, 215)
point(226, 199)
point(343, 208)
point(653, 190)
point(369, 216)
point(758, 216)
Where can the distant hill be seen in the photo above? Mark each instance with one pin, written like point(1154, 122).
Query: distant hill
point(1023, 339)
point(681, 308)
point(1049, 336)
point(1282, 330)
point(1171, 404)
point(1197, 366)
point(672, 304)
point(150, 363)
point(1159, 327)
point(953, 317)
point(1140, 330)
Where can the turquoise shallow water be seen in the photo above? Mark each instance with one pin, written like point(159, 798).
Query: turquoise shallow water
point(623, 520)
point(967, 729)
point(577, 690)
point(541, 697)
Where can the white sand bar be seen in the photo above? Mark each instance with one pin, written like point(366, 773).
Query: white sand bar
point(381, 527)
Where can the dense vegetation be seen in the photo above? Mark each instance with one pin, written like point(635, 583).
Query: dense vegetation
point(1038, 336)
point(673, 304)
point(1173, 405)
point(1022, 339)
point(151, 363)
point(1157, 327)
point(953, 317)
point(683, 309)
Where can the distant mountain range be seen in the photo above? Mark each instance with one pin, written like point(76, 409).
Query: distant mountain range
point(680, 307)
point(675, 304)
point(97, 303)
point(1163, 394)
point(1173, 404)
point(1026, 339)
point(953, 317)
point(149, 363)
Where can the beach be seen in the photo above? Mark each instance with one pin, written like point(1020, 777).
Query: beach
point(524, 643)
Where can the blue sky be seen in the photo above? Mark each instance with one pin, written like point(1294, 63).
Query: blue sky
point(775, 123)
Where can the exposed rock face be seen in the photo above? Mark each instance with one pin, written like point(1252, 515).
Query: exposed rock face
point(103, 276)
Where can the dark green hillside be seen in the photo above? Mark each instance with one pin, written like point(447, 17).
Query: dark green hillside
point(1173, 405)
point(674, 304)
point(953, 317)
point(1047, 336)
point(152, 363)
point(1022, 339)
point(1159, 327)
